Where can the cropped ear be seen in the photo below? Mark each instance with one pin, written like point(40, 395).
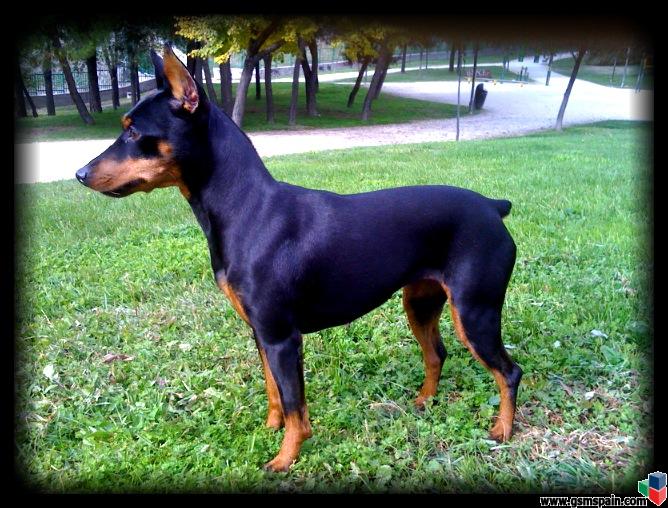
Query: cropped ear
point(179, 80)
point(159, 70)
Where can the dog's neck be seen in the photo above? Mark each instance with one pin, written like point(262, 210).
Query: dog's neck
point(227, 182)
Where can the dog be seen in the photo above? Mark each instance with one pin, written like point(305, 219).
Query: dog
point(293, 260)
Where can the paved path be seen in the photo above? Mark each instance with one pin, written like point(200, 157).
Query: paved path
point(511, 109)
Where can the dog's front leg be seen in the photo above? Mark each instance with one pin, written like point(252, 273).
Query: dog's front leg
point(284, 358)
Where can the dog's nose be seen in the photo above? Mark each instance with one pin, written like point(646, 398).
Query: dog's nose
point(82, 174)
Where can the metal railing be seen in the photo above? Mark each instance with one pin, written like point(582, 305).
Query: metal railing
point(36, 85)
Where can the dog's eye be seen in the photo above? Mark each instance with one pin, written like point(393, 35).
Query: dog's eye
point(133, 134)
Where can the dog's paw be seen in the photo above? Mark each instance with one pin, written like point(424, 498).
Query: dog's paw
point(501, 432)
point(278, 465)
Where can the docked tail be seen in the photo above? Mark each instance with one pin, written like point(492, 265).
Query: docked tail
point(503, 206)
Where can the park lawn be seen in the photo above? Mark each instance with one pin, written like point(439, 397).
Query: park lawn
point(185, 411)
point(601, 74)
point(444, 74)
point(331, 102)
point(440, 74)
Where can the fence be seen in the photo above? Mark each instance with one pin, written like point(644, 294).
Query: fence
point(36, 86)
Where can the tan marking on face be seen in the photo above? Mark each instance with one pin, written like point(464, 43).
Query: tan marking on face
point(156, 172)
point(126, 122)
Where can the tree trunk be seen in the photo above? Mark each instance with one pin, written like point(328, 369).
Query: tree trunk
point(115, 93)
point(134, 80)
point(29, 99)
point(191, 61)
point(226, 87)
point(420, 67)
point(313, 48)
point(209, 82)
point(110, 58)
point(403, 59)
point(626, 66)
point(614, 68)
point(19, 104)
point(549, 69)
point(309, 79)
point(459, 85)
point(426, 59)
point(567, 94)
point(475, 68)
point(242, 90)
point(451, 68)
point(258, 88)
point(381, 65)
point(94, 100)
point(358, 82)
point(48, 85)
point(292, 115)
point(267, 88)
point(382, 77)
point(71, 84)
point(198, 70)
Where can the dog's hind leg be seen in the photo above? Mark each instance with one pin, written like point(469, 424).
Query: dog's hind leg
point(477, 322)
point(423, 302)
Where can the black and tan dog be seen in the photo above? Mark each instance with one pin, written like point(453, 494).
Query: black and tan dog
point(293, 260)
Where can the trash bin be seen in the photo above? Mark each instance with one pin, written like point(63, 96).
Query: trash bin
point(479, 97)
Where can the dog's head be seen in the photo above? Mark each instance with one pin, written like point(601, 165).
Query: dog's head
point(159, 134)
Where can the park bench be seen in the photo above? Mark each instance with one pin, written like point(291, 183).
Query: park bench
point(480, 73)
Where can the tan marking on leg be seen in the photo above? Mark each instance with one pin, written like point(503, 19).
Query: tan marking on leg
point(233, 297)
point(503, 428)
point(297, 430)
point(275, 413)
point(427, 335)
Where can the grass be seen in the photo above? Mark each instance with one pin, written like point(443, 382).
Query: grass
point(185, 411)
point(331, 101)
point(601, 74)
point(445, 75)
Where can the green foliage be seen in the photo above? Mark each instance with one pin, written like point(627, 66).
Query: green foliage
point(185, 411)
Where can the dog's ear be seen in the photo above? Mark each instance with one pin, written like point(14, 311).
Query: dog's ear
point(159, 70)
point(179, 80)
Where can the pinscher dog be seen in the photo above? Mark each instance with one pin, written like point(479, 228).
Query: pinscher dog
point(293, 260)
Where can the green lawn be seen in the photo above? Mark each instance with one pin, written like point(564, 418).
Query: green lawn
point(185, 412)
point(445, 75)
point(331, 100)
point(601, 74)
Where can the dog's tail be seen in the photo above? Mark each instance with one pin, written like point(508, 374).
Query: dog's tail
point(502, 206)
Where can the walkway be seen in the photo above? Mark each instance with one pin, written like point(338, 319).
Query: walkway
point(511, 109)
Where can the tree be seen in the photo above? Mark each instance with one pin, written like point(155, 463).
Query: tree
point(459, 83)
point(267, 88)
point(453, 50)
point(292, 115)
point(69, 77)
point(111, 52)
point(48, 83)
point(562, 109)
point(358, 81)
point(475, 68)
point(222, 36)
point(403, 58)
point(94, 99)
point(210, 90)
point(226, 87)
